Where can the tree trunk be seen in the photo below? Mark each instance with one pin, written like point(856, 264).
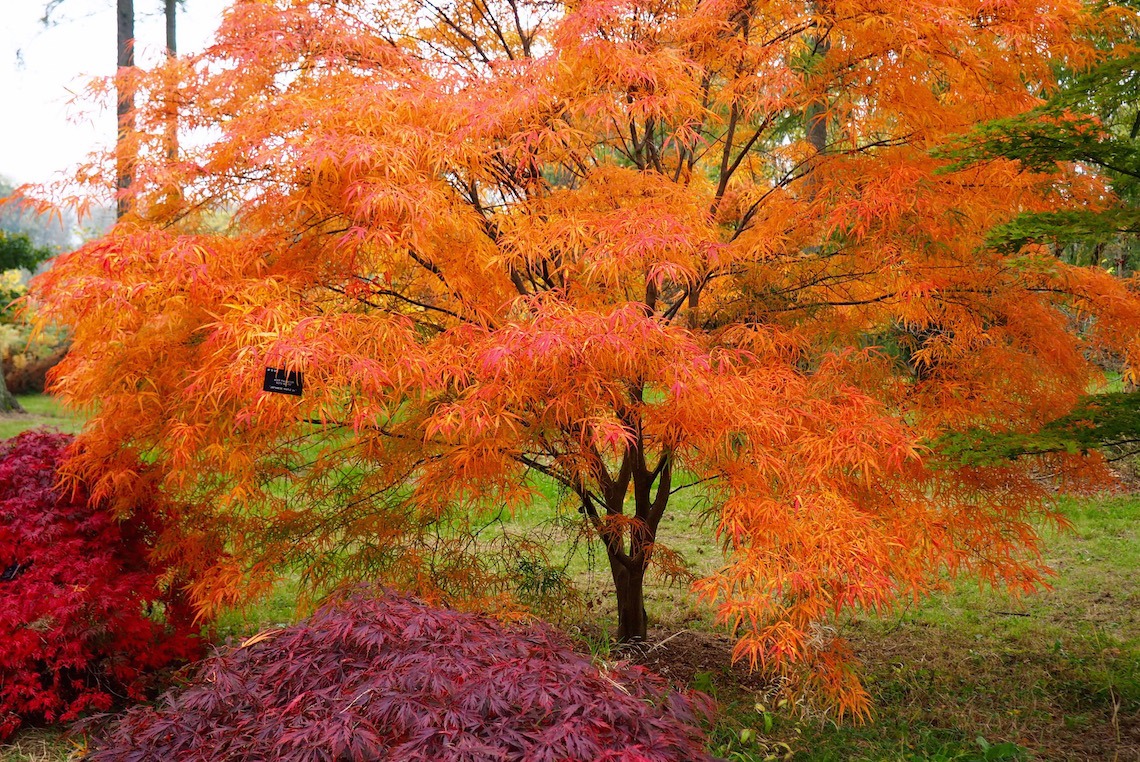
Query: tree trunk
point(171, 137)
point(628, 564)
point(8, 402)
point(171, 10)
point(125, 100)
point(815, 116)
point(633, 622)
point(816, 112)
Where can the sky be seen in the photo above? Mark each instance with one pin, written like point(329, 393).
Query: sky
point(42, 69)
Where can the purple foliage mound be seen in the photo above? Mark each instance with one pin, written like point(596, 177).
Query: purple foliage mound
point(375, 676)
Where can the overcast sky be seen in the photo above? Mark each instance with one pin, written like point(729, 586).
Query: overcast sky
point(42, 68)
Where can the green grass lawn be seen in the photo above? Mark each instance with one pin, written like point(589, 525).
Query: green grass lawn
point(974, 674)
point(970, 674)
point(42, 411)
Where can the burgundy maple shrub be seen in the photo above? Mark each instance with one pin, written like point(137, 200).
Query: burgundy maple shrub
point(375, 676)
point(84, 623)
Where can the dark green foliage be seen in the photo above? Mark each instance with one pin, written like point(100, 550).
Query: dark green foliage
point(1064, 228)
point(18, 252)
point(1040, 138)
point(1099, 421)
point(1094, 120)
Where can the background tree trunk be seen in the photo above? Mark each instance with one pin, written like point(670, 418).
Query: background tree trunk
point(8, 402)
point(171, 137)
point(171, 10)
point(125, 99)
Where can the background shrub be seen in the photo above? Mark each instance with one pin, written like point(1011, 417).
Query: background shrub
point(381, 677)
point(26, 373)
point(83, 620)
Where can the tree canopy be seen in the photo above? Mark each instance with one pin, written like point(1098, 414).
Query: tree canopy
point(1092, 120)
point(630, 247)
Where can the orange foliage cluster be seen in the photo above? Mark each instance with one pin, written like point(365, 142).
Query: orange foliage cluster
point(633, 245)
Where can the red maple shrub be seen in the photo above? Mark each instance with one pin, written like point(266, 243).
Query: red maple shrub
point(79, 596)
point(377, 676)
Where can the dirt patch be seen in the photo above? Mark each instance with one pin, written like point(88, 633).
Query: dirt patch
point(681, 656)
point(1127, 472)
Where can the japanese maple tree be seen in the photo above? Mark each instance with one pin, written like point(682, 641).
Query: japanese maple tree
point(88, 617)
point(376, 676)
point(633, 247)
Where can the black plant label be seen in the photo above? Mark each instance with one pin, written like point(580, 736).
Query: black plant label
point(281, 381)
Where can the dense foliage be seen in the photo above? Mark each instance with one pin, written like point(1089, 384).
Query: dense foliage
point(18, 252)
point(27, 372)
point(1091, 120)
point(386, 677)
point(624, 247)
point(1109, 422)
point(86, 620)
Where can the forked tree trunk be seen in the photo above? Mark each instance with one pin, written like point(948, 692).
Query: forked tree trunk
point(628, 543)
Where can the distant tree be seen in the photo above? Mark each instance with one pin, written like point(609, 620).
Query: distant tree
point(53, 231)
point(125, 156)
point(1092, 120)
point(170, 14)
point(23, 246)
point(17, 252)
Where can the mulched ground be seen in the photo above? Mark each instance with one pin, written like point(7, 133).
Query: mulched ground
point(681, 656)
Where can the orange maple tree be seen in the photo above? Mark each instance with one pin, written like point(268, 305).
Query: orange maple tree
point(628, 247)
